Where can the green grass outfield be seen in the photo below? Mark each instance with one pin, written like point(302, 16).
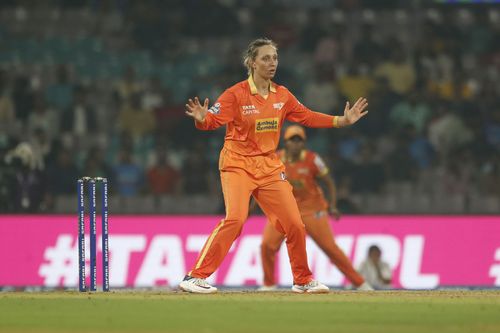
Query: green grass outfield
point(338, 311)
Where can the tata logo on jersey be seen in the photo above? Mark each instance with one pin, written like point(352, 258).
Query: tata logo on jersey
point(249, 110)
point(266, 125)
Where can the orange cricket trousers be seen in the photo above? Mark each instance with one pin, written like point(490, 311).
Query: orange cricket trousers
point(263, 177)
point(319, 230)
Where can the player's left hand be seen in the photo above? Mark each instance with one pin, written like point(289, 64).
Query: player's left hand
point(358, 110)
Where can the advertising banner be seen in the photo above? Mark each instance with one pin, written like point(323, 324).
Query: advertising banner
point(424, 252)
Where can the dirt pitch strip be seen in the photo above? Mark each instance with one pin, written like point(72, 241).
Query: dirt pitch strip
point(250, 311)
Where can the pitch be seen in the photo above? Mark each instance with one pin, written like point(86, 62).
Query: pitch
point(338, 311)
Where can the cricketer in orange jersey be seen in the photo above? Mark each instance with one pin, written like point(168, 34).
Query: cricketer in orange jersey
point(304, 168)
point(253, 112)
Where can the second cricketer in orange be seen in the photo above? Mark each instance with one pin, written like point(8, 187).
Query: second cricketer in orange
point(253, 111)
point(304, 168)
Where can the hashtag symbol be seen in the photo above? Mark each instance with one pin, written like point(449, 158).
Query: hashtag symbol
point(495, 268)
point(61, 266)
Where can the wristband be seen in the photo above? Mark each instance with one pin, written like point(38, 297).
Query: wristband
point(336, 121)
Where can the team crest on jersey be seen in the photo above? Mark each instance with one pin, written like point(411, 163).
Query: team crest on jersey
point(266, 125)
point(283, 175)
point(215, 109)
point(278, 106)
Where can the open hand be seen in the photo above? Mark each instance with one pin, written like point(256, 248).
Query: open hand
point(358, 110)
point(197, 111)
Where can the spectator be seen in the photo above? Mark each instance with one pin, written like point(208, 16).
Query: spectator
point(60, 94)
point(420, 149)
point(7, 114)
point(375, 271)
point(400, 167)
point(168, 115)
point(411, 111)
point(162, 177)
point(368, 174)
point(153, 95)
point(398, 71)
point(43, 118)
point(128, 86)
point(22, 96)
point(344, 197)
point(447, 131)
point(27, 185)
point(382, 100)
point(134, 119)
point(452, 88)
point(79, 119)
point(62, 174)
point(196, 176)
point(128, 176)
point(357, 82)
point(321, 93)
point(43, 148)
point(96, 166)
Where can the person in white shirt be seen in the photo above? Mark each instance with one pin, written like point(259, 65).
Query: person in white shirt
point(375, 271)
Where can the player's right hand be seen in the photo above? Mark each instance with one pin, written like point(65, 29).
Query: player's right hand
point(197, 111)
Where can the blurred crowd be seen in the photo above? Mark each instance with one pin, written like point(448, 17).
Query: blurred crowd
point(97, 88)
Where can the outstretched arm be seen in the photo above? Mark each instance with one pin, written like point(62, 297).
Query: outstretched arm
point(221, 113)
point(299, 113)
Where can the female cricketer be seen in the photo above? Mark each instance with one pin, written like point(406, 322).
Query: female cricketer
point(254, 111)
point(304, 168)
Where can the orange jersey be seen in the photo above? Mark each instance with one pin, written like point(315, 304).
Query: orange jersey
point(254, 123)
point(302, 174)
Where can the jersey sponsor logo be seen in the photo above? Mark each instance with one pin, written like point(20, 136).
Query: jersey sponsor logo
point(266, 125)
point(215, 109)
point(278, 106)
point(283, 175)
point(249, 110)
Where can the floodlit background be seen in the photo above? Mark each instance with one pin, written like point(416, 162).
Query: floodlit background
point(97, 88)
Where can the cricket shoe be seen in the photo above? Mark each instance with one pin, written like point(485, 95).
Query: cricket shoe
point(365, 287)
point(313, 287)
point(196, 285)
point(268, 288)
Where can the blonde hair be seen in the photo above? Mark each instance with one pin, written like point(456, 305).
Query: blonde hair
point(252, 50)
